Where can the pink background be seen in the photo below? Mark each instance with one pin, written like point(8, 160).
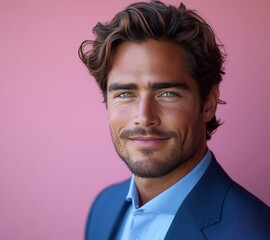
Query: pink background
point(55, 147)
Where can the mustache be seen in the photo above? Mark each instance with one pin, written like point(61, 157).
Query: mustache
point(144, 132)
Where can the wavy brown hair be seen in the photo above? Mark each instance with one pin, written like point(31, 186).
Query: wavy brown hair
point(155, 20)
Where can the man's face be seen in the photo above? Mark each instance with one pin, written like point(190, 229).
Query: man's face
point(154, 109)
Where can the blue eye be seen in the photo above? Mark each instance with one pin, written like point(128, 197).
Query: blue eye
point(125, 95)
point(168, 94)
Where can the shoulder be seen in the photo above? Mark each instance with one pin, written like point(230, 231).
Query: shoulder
point(112, 193)
point(238, 213)
point(105, 211)
point(243, 216)
point(240, 203)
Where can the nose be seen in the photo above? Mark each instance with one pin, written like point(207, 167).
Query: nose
point(147, 113)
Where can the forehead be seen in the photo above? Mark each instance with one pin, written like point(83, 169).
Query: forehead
point(148, 61)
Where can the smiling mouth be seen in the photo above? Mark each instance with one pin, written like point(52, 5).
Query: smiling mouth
point(148, 141)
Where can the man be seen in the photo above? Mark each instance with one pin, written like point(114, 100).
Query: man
point(159, 68)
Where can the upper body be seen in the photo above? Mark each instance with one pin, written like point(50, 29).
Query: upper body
point(216, 208)
point(159, 69)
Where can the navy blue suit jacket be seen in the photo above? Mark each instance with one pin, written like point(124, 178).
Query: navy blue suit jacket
point(217, 208)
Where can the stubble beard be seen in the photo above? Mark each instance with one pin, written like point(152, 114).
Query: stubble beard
point(149, 167)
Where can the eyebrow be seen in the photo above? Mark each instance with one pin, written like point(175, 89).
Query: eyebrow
point(122, 86)
point(174, 84)
point(151, 86)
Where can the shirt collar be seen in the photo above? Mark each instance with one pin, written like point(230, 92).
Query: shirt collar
point(170, 200)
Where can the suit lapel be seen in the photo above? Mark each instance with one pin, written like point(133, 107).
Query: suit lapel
point(202, 207)
point(116, 219)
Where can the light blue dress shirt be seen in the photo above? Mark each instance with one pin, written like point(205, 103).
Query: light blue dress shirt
point(153, 219)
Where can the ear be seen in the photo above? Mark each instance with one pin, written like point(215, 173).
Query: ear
point(210, 105)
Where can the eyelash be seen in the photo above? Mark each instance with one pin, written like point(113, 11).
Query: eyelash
point(123, 95)
point(171, 94)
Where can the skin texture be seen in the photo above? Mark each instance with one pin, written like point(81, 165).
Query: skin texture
point(156, 119)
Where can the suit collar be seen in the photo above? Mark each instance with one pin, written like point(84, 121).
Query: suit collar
point(202, 207)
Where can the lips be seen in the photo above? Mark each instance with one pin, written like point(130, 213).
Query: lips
point(147, 141)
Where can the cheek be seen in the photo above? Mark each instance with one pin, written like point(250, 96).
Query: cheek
point(181, 119)
point(179, 115)
point(119, 118)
